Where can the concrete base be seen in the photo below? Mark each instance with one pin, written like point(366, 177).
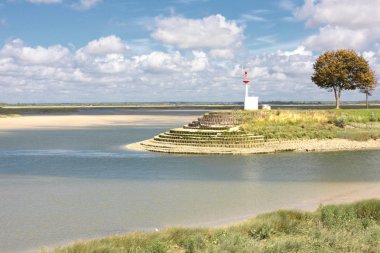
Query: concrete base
point(251, 103)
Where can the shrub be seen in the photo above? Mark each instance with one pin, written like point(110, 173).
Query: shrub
point(373, 117)
point(341, 121)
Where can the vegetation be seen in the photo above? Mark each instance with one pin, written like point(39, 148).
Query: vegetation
point(334, 228)
point(356, 124)
point(8, 115)
point(343, 70)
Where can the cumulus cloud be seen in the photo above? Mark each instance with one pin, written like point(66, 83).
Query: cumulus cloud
point(100, 68)
point(106, 70)
point(342, 23)
point(105, 45)
point(212, 32)
point(332, 37)
point(18, 52)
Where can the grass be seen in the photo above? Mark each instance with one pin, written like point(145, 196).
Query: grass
point(354, 124)
point(334, 228)
point(9, 115)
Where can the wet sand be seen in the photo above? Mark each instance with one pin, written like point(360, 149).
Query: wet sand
point(62, 121)
point(343, 195)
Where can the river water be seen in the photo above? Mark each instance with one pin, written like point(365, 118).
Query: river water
point(61, 185)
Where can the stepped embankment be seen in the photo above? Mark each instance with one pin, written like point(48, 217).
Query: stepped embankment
point(219, 132)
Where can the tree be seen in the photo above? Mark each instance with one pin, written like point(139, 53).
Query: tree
point(343, 70)
point(368, 92)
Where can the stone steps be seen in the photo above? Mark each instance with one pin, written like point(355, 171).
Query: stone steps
point(215, 132)
point(211, 138)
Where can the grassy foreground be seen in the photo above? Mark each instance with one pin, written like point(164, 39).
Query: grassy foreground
point(335, 228)
point(9, 115)
point(354, 124)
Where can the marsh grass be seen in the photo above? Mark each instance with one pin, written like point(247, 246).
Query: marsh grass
point(334, 228)
point(313, 124)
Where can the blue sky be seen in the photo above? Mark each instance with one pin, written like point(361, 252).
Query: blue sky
point(178, 50)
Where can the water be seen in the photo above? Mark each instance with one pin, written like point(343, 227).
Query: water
point(65, 184)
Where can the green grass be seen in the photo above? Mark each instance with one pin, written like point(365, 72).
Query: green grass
point(354, 124)
point(335, 228)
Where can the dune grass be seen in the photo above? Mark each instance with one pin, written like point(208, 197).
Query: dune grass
point(334, 228)
point(354, 124)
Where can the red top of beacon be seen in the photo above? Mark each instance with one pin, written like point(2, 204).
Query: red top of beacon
point(245, 77)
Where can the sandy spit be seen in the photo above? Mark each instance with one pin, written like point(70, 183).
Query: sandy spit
point(62, 121)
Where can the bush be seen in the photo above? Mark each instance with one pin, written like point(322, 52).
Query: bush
point(341, 121)
point(373, 117)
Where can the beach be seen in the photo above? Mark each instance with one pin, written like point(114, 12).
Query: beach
point(67, 121)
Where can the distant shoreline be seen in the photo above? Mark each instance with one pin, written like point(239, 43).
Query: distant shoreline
point(69, 121)
point(46, 109)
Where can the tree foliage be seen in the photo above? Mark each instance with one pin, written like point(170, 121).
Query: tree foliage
point(343, 70)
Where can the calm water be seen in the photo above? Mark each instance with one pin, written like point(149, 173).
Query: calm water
point(61, 185)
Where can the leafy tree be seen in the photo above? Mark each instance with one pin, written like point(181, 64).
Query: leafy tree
point(343, 70)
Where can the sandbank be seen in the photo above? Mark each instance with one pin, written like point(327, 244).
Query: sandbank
point(61, 121)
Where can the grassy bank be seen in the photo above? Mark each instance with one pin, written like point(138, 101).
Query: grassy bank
point(354, 124)
point(343, 228)
point(8, 115)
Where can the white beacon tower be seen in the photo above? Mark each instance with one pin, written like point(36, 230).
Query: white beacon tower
point(250, 103)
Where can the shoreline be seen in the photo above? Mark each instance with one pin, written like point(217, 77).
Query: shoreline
point(313, 145)
point(368, 193)
point(69, 121)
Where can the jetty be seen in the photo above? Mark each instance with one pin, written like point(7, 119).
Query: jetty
point(216, 132)
point(221, 132)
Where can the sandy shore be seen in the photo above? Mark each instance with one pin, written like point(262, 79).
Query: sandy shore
point(61, 121)
point(348, 193)
point(286, 146)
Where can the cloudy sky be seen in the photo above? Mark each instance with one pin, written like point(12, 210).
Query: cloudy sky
point(177, 50)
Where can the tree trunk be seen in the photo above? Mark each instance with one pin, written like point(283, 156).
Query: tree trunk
point(366, 99)
point(337, 98)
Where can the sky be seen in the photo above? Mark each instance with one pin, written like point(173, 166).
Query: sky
point(83, 51)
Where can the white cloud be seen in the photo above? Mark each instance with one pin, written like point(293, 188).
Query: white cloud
point(298, 51)
point(342, 23)
point(160, 61)
point(105, 45)
point(103, 70)
point(333, 37)
point(213, 32)
point(252, 17)
point(222, 53)
point(200, 61)
point(86, 4)
point(17, 51)
point(346, 13)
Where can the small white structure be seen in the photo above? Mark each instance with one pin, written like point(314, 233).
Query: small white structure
point(250, 103)
point(266, 107)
